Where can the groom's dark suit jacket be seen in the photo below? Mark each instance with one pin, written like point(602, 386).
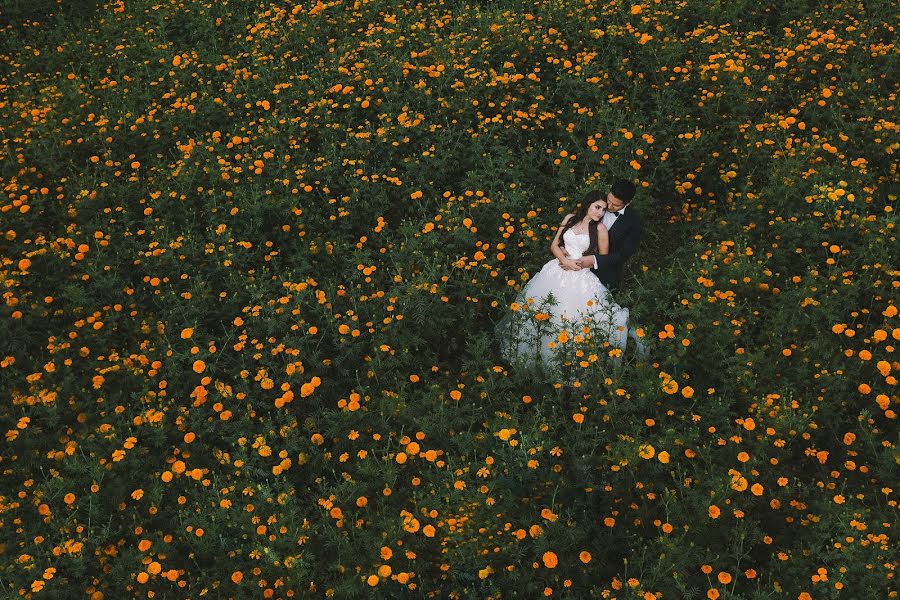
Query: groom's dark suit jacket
point(624, 236)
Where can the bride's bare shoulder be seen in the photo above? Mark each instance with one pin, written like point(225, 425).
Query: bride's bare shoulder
point(566, 219)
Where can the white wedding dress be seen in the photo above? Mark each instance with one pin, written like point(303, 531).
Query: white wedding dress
point(562, 301)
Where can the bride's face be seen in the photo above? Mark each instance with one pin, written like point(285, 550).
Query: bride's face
point(596, 210)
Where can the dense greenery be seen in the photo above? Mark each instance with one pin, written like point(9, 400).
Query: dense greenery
point(253, 256)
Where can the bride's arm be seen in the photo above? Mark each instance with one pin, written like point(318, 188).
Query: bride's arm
point(602, 239)
point(557, 250)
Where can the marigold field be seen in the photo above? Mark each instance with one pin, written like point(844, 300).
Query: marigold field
point(253, 254)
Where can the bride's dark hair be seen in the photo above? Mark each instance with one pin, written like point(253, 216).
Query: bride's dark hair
point(589, 198)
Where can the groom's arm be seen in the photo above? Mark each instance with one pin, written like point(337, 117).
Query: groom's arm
point(623, 252)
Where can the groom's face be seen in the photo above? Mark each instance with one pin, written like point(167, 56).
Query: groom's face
point(613, 203)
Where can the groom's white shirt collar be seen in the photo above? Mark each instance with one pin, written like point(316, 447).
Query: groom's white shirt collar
point(621, 211)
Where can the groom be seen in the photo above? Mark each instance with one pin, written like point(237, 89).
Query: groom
point(624, 225)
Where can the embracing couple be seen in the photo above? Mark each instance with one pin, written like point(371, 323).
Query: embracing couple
point(591, 246)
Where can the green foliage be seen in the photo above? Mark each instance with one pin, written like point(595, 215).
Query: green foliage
point(258, 261)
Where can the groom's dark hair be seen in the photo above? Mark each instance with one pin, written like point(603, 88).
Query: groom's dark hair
point(623, 190)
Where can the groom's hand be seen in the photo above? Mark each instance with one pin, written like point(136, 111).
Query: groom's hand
point(569, 265)
point(565, 264)
point(586, 262)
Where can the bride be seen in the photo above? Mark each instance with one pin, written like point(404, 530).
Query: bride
point(565, 301)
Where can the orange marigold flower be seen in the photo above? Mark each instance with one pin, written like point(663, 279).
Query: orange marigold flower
point(549, 514)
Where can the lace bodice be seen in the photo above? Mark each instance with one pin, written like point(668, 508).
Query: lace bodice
point(576, 243)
